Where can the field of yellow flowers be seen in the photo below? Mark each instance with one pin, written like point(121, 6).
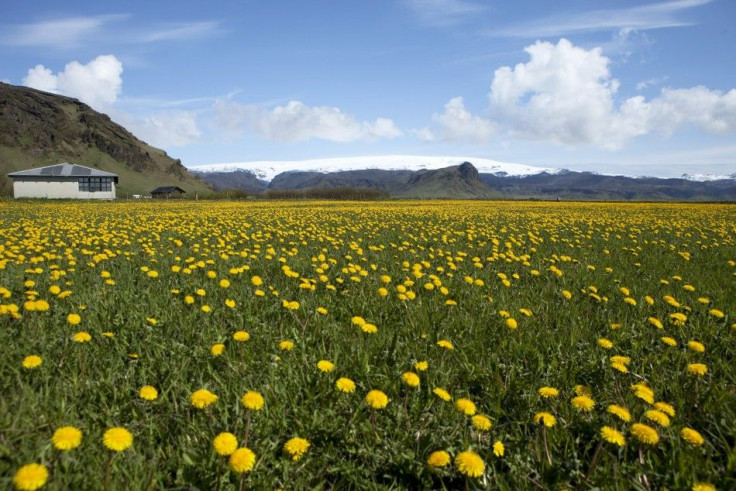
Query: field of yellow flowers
point(403, 345)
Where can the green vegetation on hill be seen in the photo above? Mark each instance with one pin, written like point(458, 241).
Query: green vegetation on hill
point(39, 129)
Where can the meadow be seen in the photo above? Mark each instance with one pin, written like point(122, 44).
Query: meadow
point(404, 345)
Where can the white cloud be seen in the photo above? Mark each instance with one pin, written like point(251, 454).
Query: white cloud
point(66, 32)
point(443, 13)
point(566, 94)
point(644, 17)
point(296, 121)
point(457, 124)
point(182, 31)
point(165, 129)
point(98, 83)
point(650, 82)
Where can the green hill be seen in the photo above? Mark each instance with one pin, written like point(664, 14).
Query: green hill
point(39, 129)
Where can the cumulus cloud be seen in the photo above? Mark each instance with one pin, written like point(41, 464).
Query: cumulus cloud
point(296, 121)
point(456, 123)
point(566, 94)
point(98, 83)
point(165, 129)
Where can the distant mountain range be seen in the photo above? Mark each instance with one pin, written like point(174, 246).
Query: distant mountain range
point(38, 129)
point(448, 177)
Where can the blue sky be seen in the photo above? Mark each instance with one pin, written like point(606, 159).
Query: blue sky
point(619, 86)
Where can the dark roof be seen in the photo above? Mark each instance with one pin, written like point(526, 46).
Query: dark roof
point(167, 189)
point(63, 170)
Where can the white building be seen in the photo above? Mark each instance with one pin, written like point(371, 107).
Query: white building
point(69, 181)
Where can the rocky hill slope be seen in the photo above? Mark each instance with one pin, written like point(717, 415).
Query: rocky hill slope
point(38, 129)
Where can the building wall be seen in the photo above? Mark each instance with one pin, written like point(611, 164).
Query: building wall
point(56, 189)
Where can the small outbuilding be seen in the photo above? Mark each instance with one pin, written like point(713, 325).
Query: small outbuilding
point(64, 181)
point(168, 192)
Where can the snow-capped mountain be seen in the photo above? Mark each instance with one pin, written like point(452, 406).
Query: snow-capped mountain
point(708, 177)
point(266, 170)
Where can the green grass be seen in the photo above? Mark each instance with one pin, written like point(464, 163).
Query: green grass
point(94, 386)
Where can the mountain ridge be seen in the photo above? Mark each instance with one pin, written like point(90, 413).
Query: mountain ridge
point(464, 181)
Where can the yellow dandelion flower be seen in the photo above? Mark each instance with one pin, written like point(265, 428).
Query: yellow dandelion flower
point(619, 366)
point(256, 281)
point(241, 336)
point(548, 392)
point(624, 360)
point(583, 403)
point(703, 486)
point(67, 438)
point(74, 319)
point(321, 310)
point(566, 294)
point(697, 369)
point(242, 460)
point(410, 378)
point(658, 417)
point(30, 477)
point(614, 326)
point(465, 406)
point(678, 319)
point(605, 343)
point(696, 346)
point(32, 361)
point(665, 408)
point(655, 322)
point(286, 345)
point(252, 400)
point(716, 313)
point(345, 385)
point(82, 337)
point(230, 303)
point(620, 412)
point(376, 399)
point(202, 398)
point(225, 444)
point(369, 328)
point(668, 341)
point(612, 435)
point(148, 392)
point(692, 436)
point(357, 321)
point(643, 392)
point(545, 418)
point(442, 394)
point(217, 349)
point(470, 464)
point(421, 366)
point(224, 283)
point(645, 434)
point(296, 447)
point(498, 448)
point(325, 366)
point(444, 343)
point(438, 458)
point(481, 422)
point(117, 439)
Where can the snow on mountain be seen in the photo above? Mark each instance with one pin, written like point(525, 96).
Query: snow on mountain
point(268, 169)
point(708, 177)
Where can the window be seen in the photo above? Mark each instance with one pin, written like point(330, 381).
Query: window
point(93, 184)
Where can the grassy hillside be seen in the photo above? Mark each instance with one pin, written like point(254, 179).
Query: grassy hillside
point(38, 129)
